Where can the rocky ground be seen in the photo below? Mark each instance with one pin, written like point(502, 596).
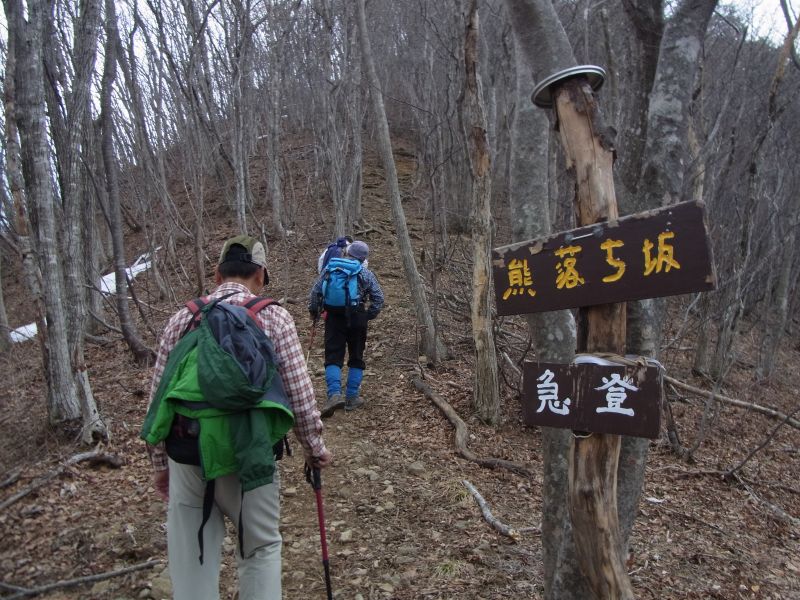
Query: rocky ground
point(400, 521)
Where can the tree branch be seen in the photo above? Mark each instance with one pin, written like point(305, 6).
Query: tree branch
point(94, 456)
point(27, 592)
point(496, 524)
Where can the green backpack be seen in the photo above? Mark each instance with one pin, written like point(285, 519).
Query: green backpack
point(222, 373)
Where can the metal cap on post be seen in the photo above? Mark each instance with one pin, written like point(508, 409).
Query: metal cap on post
point(543, 92)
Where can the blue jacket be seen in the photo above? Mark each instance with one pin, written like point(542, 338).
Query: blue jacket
point(369, 289)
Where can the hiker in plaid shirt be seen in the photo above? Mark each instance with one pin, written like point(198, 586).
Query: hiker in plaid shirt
point(240, 275)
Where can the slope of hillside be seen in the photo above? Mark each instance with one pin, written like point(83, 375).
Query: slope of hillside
point(400, 521)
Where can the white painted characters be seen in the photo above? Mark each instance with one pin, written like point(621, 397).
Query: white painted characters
point(548, 395)
point(617, 389)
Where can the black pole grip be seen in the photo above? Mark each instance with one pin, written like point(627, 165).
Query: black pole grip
point(314, 477)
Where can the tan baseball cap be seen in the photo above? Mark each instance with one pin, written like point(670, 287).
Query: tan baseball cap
point(256, 253)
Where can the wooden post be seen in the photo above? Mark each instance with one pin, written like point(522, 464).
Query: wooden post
point(593, 459)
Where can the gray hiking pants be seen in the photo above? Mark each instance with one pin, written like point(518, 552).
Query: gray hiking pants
point(259, 569)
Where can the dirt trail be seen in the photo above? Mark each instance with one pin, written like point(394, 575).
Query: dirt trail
point(400, 523)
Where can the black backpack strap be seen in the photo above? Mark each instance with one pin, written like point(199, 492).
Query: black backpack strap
point(241, 526)
point(281, 448)
point(208, 504)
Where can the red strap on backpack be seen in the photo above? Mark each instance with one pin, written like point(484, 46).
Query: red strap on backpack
point(254, 306)
point(194, 306)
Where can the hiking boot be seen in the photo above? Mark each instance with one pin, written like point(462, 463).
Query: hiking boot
point(334, 402)
point(353, 402)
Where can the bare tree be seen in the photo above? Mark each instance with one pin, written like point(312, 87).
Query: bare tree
point(432, 345)
point(486, 393)
point(63, 401)
point(5, 330)
point(553, 333)
point(141, 353)
point(70, 157)
point(239, 28)
point(13, 163)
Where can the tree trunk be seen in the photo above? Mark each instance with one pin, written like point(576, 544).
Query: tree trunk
point(16, 183)
point(661, 179)
point(63, 402)
point(661, 182)
point(141, 353)
point(274, 179)
point(639, 61)
point(486, 392)
point(73, 196)
point(433, 347)
point(553, 333)
point(594, 458)
point(777, 311)
point(5, 330)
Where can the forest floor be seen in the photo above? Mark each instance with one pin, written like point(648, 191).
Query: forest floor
point(401, 524)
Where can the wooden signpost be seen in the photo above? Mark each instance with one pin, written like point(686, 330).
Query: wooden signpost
point(598, 267)
point(648, 255)
point(652, 254)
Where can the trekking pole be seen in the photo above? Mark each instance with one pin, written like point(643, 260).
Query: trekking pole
point(314, 477)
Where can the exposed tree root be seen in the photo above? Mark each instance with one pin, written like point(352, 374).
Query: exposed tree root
point(94, 457)
point(21, 592)
point(499, 526)
point(462, 434)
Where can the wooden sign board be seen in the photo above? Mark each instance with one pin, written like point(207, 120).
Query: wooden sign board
point(648, 255)
point(590, 397)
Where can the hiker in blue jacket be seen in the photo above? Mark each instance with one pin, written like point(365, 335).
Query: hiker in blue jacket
point(351, 296)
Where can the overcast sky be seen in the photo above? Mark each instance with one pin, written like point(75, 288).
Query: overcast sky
point(767, 16)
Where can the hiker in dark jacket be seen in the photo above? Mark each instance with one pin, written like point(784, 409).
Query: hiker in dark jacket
point(332, 250)
point(346, 329)
point(240, 275)
point(335, 249)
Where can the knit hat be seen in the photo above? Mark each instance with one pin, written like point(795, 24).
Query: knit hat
point(253, 252)
point(358, 250)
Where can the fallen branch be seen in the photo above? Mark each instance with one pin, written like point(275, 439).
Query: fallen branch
point(94, 457)
point(10, 479)
point(775, 414)
point(762, 445)
point(511, 365)
point(776, 510)
point(500, 527)
point(462, 434)
point(26, 592)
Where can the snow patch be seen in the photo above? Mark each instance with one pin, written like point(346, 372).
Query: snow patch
point(107, 286)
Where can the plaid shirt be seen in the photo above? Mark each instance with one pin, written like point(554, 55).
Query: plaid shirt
point(278, 324)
